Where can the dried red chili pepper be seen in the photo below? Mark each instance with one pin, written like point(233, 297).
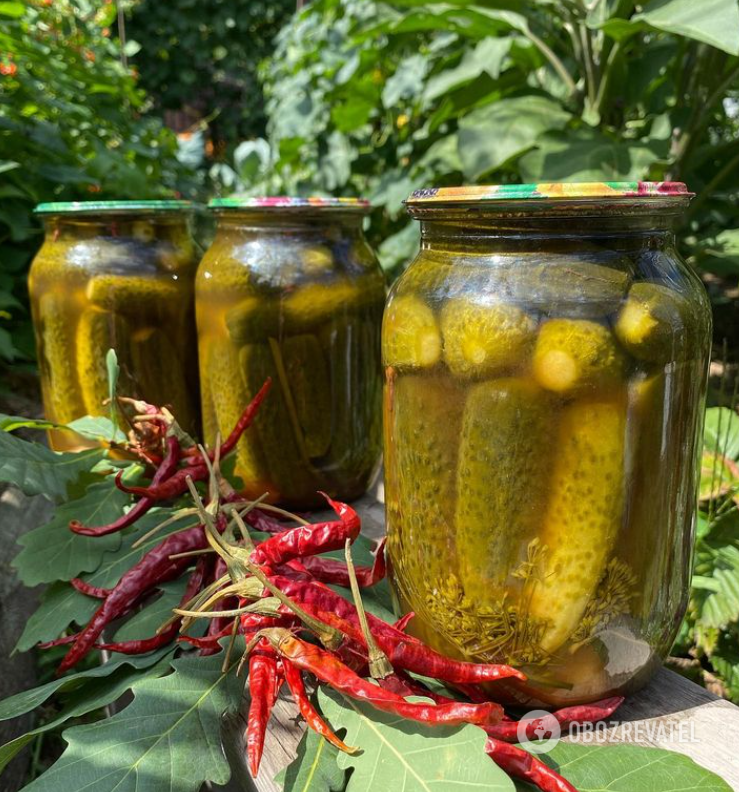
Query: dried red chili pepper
point(521, 764)
point(143, 645)
point(307, 540)
point(262, 689)
point(402, 650)
point(295, 682)
point(333, 571)
point(91, 591)
point(154, 568)
point(329, 669)
point(564, 718)
point(403, 622)
point(139, 509)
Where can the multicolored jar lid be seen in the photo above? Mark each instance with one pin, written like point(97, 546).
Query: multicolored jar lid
point(291, 202)
point(112, 207)
point(551, 191)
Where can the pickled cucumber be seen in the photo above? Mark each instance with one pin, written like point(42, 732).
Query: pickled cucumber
point(254, 318)
point(652, 322)
point(133, 296)
point(290, 478)
point(63, 392)
point(97, 332)
point(427, 414)
point(501, 481)
point(315, 303)
point(410, 334)
point(352, 348)
point(308, 380)
point(484, 340)
point(159, 373)
point(582, 517)
point(229, 397)
point(562, 285)
point(572, 355)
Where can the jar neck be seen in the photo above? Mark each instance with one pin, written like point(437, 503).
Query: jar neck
point(499, 233)
point(256, 222)
point(145, 227)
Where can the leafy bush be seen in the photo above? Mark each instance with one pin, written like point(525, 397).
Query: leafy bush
point(203, 55)
point(380, 98)
point(73, 125)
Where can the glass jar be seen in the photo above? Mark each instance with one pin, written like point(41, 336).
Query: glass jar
point(546, 360)
point(291, 290)
point(115, 274)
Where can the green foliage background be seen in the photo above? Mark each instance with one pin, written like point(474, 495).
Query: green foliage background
point(380, 98)
point(74, 124)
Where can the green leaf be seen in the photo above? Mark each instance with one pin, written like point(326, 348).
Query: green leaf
point(314, 768)
point(28, 700)
point(407, 82)
point(54, 552)
point(587, 155)
point(9, 423)
point(97, 693)
point(487, 57)
point(168, 737)
point(15, 10)
point(498, 132)
point(61, 605)
point(716, 22)
point(723, 252)
point(145, 623)
point(398, 250)
point(424, 757)
point(721, 431)
point(725, 661)
point(718, 601)
point(630, 768)
point(36, 470)
point(97, 427)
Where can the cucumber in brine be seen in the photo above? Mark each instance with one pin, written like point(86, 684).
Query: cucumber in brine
point(574, 355)
point(58, 340)
point(485, 339)
point(411, 338)
point(583, 514)
point(97, 332)
point(502, 476)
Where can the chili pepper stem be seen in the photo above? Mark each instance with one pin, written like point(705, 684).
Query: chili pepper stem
point(330, 637)
point(173, 519)
point(192, 553)
point(379, 664)
point(229, 648)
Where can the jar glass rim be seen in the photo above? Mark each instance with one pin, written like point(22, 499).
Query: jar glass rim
point(547, 191)
point(291, 202)
point(112, 207)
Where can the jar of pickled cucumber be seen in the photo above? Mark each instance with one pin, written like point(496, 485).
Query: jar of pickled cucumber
point(115, 274)
point(545, 364)
point(291, 290)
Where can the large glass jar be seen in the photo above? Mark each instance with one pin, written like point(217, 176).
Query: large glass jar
point(291, 290)
point(115, 274)
point(546, 359)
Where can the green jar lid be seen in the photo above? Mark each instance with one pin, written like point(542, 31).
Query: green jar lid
point(290, 202)
point(551, 191)
point(111, 207)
